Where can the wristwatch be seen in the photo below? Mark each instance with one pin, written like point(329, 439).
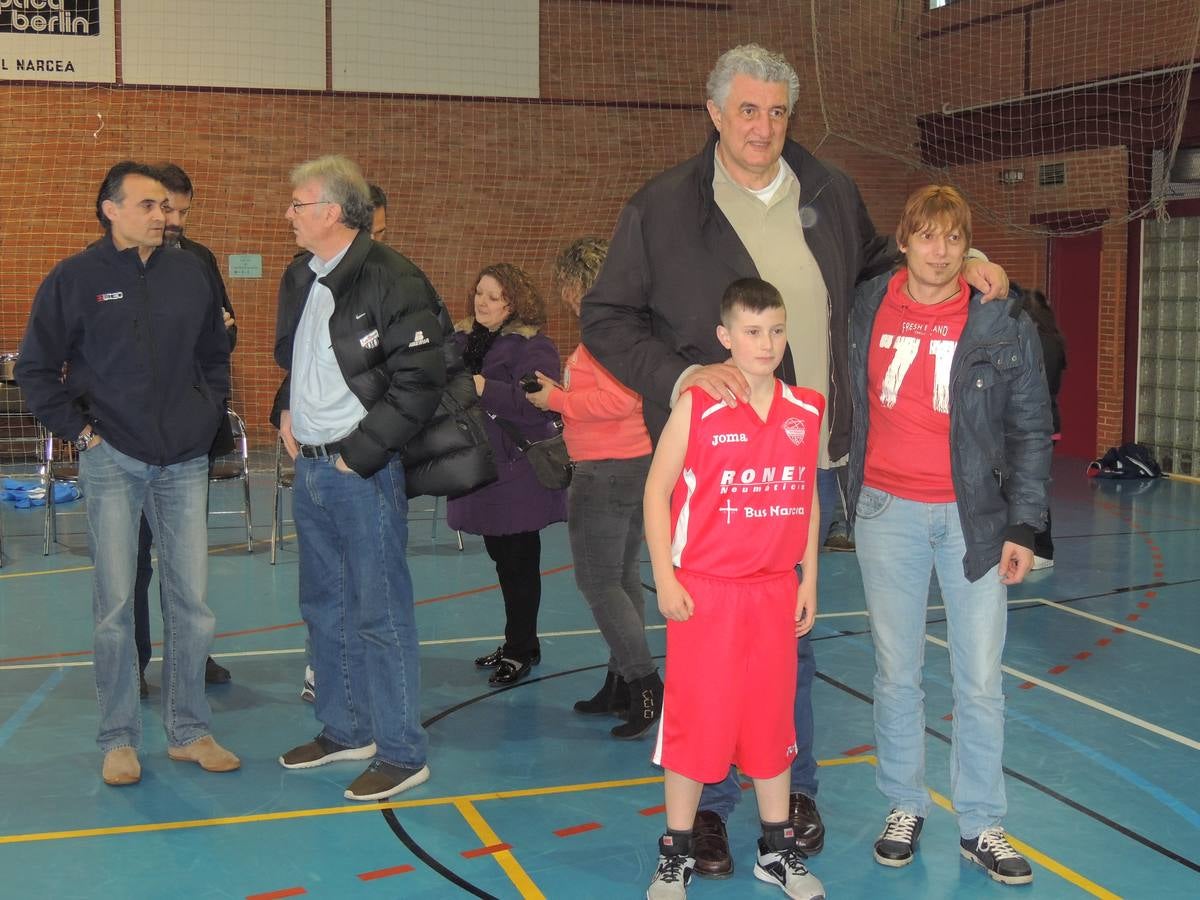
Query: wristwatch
point(84, 439)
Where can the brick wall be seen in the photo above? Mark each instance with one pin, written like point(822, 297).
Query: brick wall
point(473, 181)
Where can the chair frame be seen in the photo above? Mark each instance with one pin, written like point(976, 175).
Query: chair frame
point(241, 473)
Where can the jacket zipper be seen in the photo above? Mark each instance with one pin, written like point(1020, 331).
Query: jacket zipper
point(155, 378)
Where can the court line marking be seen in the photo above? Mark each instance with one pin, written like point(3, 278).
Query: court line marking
point(29, 707)
point(1067, 874)
point(284, 815)
point(1088, 701)
point(504, 858)
point(464, 803)
point(1053, 604)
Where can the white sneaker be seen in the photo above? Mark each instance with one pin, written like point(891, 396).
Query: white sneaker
point(671, 878)
point(308, 693)
point(786, 869)
point(1040, 562)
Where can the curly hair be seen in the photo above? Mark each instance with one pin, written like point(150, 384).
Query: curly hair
point(578, 265)
point(518, 290)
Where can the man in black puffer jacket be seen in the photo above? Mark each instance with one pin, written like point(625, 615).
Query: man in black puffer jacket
point(138, 328)
point(358, 333)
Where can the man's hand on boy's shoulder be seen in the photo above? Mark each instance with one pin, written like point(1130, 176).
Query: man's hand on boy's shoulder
point(806, 608)
point(721, 381)
point(674, 602)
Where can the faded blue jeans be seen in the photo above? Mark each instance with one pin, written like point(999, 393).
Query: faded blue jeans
point(900, 543)
point(117, 487)
point(724, 795)
point(356, 597)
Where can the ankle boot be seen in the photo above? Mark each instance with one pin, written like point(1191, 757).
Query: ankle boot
point(645, 707)
point(613, 697)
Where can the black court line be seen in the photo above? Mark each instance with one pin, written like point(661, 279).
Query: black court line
point(1045, 789)
point(419, 852)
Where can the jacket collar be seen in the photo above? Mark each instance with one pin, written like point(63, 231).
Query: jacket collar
point(812, 174)
point(345, 272)
point(512, 326)
point(128, 256)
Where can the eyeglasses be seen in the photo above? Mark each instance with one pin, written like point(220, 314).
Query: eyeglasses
point(297, 206)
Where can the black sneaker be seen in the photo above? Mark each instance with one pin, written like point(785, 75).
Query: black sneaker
point(674, 871)
point(382, 780)
point(320, 751)
point(993, 851)
point(897, 844)
point(215, 673)
point(785, 868)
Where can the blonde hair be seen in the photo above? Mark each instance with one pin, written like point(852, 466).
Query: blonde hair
point(934, 205)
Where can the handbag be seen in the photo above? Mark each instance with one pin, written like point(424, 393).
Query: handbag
point(549, 458)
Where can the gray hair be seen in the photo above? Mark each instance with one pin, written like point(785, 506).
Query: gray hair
point(342, 183)
point(757, 62)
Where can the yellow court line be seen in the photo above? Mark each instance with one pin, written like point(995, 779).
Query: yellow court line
point(324, 811)
point(1040, 858)
point(504, 858)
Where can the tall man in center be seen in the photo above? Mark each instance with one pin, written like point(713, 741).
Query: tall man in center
point(752, 204)
point(359, 334)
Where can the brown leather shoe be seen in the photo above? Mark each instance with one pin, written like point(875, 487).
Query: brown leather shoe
point(210, 755)
point(710, 846)
point(121, 766)
point(810, 830)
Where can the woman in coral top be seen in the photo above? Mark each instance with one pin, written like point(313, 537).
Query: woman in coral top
point(607, 439)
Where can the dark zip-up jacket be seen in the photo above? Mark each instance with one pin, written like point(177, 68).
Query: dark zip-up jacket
point(206, 256)
point(654, 309)
point(387, 329)
point(145, 350)
point(999, 423)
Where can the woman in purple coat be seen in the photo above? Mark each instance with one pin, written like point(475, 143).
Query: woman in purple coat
point(501, 344)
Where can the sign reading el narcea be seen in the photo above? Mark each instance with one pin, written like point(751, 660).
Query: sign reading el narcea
point(57, 40)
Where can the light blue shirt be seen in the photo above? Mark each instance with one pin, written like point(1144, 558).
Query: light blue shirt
point(324, 409)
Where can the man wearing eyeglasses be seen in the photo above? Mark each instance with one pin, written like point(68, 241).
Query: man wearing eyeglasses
point(359, 333)
point(138, 328)
point(175, 212)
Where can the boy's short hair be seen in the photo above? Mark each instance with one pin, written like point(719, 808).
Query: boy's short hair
point(937, 205)
point(751, 294)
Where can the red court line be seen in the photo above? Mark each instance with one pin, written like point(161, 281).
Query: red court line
point(1103, 642)
point(652, 811)
point(384, 873)
point(485, 851)
point(1083, 654)
point(577, 829)
point(1027, 685)
point(266, 628)
point(276, 895)
point(858, 751)
point(1058, 670)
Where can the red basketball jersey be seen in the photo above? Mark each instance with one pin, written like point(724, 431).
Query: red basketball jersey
point(742, 504)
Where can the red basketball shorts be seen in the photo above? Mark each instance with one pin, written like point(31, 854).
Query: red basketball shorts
point(731, 680)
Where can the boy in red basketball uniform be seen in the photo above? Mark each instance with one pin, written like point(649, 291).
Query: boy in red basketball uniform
point(730, 510)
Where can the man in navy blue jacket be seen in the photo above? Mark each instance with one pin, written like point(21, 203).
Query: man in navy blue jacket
point(126, 355)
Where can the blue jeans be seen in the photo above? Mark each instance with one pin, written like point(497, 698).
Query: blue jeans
point(900, 542)
point(723, 796)
point(117, 487)
point(604, 523)
point(356, 597)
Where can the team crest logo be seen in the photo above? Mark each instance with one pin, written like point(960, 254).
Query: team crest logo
point(794, 429)
point(370, 340)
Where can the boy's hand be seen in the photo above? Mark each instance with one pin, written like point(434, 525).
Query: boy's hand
point(806, 607)
point(674, 602)
point(1015, 563)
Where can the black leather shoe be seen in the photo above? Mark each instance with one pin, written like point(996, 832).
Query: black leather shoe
point(143, 688)
point(806, 821)
point(510, 671)
point(215, 673)
point(710, 846)
point(492, 660)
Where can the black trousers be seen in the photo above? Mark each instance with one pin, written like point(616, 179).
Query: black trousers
point(518, 559)
point(1043, 545)
point(141, 598)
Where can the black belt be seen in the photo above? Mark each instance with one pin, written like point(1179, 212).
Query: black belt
point(320, 451)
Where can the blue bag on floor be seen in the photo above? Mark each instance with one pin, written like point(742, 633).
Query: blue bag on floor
point(24, 494)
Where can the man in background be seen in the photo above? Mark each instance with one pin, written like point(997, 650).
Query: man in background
point(175, 210)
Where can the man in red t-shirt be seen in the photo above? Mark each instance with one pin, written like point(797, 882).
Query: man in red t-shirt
point(949, 461)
